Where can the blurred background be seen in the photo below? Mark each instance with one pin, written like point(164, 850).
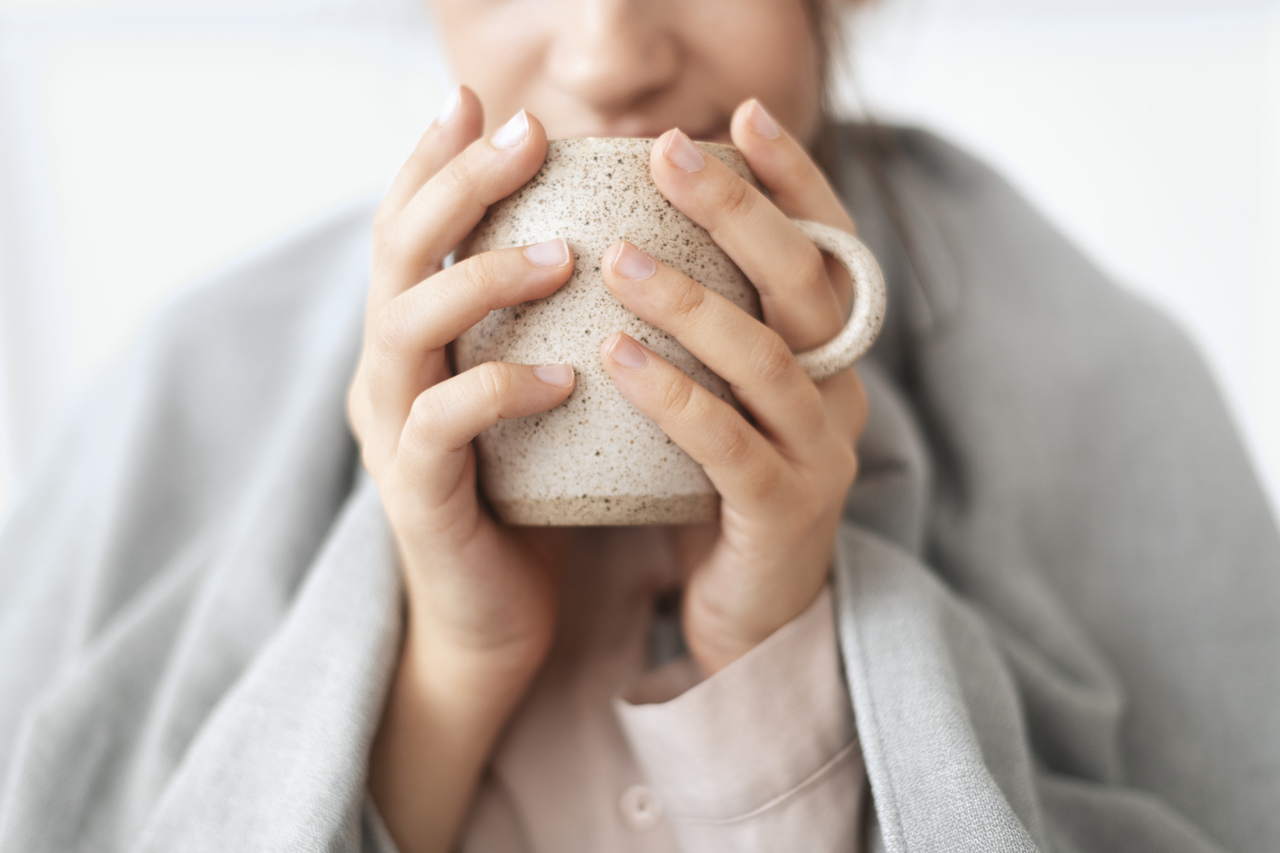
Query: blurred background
point(146, 142)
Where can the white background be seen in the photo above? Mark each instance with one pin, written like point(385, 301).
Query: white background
point(144, 143)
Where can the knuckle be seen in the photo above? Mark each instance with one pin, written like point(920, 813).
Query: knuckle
point(458, 178)
point(393, 328)
point(687, 301)
point(766, 486)
point(677, 397)
point(430, 416)
point(386, 239)
point(813, 270)
point(415, 435)
point(732, 444)
point(739, 198)
point(773, 360)
point(428, 410)
point(495, 381)
point(365, 426)
point(484, 272)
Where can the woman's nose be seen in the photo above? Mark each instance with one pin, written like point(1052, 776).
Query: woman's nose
point(612, 54)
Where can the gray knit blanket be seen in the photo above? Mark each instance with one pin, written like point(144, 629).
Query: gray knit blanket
point(1057, 581)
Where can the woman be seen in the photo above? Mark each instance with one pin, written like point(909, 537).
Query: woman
point(1054, 602)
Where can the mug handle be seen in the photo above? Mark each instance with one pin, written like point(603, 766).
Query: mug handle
point(864, 323)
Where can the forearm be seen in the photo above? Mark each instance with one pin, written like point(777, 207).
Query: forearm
point(442, 717)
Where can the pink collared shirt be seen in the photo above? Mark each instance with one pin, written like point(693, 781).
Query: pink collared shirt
point(608, 752)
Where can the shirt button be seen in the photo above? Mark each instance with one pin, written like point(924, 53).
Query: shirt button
point(640, 807)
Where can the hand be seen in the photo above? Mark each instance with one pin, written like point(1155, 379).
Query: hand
point(481, 597)
point(783, 478)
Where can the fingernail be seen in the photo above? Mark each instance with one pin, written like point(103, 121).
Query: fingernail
point(560, 375)
point(513, 132)
point(627, 352)
point(763, 123)
point(551, 253)
point(682, 153)
point(450, 107)
point(632, 263)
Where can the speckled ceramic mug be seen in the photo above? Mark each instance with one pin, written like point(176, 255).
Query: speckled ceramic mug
point(597, 459)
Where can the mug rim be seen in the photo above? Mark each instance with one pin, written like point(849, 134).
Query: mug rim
point(648, 140)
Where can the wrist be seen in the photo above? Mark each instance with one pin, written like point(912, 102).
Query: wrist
point(480, 681)
point(718, 635)
point(716, 639)
point(481, 618)
point(714, 654)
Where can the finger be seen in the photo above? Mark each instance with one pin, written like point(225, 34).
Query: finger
point(407, 350)
point(795, 294)
point(450, 204)
point(795, 183)
point(447, 416)
point(741, 463)
point(751, 357)
point(458, 123)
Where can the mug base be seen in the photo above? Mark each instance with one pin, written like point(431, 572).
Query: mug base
point(602, 510)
